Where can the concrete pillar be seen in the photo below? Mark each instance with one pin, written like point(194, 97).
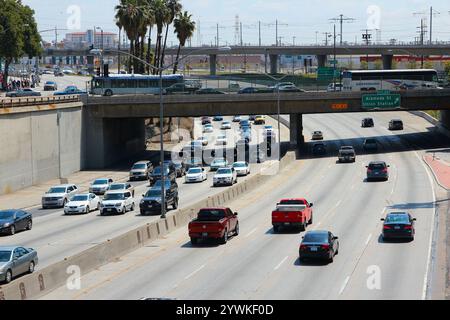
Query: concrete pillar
point(53, 60)
point(445, 118)
point(273, 63)
point(387, 61)
point(212, 64)
point(296, 129)
point(322, 60)
point(90, 63)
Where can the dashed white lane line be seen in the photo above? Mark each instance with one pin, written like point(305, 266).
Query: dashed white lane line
point(344, 285)
point(281, 263)
point(193, 273)
point(251, 232)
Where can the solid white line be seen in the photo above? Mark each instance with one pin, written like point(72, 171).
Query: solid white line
point(426, 277)
point(193, 273)
point(251, 232)
point(344, 285)
point(281, 263)
point(368, 239)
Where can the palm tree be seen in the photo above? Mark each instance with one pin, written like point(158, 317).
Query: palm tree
point(174, 7)
point(129, 13)
point(150, 21)
point(119, 25)
point(161, 16)
point(184, 28)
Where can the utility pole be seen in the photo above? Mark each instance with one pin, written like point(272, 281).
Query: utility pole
point(317, 38)
point(259, 32)
point(327, 35)
point(432, 13)
point(242, 43)
point(366, 37)
point(341, 19)
point(277, 23)
point(293, 41)
point(218, 35)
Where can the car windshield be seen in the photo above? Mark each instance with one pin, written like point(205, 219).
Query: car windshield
point(114, 196)
point(397, 218)
point(221, 137)
point(195, 171)
point(159, 183)
point(80, 198)
point(294, 202)
point(5, 256)
point(194, 161)
point(316, 237)
point(219, 161)
point(211, 215)
point(139, 166)
point(239, 165)
point(371, 141)
point(153, 193)
point(377, 166)
point(224, 171)
point(100, 181)
point(117, 187)
point(346, 152)
point(57, 190)
point(6, 214)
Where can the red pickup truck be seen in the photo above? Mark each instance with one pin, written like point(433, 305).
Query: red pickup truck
point(292, 213)
point(214, 223)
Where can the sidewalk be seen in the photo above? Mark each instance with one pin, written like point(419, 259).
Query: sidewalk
point(440, 168)
point(31, 196)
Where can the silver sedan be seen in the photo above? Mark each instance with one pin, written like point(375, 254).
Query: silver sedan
point(15, 261)
point(23, 93)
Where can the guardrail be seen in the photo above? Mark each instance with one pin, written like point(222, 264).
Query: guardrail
point(34, 101)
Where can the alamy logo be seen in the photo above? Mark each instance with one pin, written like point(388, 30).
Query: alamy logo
point(374, 279)
point(74, 280)
point(374, 19)
point(74, 19)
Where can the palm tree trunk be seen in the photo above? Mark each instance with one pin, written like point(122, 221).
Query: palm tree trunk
point(149, 49)
point(164, 48)
point(175, 67)
point(6, 74)
point(130, 60)
point(157, 52)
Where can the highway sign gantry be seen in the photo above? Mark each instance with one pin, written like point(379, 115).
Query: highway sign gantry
point(381, 100)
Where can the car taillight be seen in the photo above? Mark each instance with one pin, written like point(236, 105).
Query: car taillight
point(408, 228)
point(369, 170)
point(385, 170)
point(325, 247)
point(303, 247)
point(386, 228)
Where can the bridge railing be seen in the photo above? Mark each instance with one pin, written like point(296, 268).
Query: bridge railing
point(34, 101)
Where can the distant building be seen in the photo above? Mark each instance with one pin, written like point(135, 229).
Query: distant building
point(82, 40)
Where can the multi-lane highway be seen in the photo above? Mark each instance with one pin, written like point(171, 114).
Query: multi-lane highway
point(259, 264)
point(56, 236)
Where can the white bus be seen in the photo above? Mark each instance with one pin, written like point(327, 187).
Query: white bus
point(393, 80)
point(131, 84)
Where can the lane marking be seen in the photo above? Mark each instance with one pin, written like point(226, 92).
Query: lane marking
point(251, 232)
point(426, 280)
point(368, 239)
point(281, 263)
point(193, 273)
point(344, 285)
point(339, 203)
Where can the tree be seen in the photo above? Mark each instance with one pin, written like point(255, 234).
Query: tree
point(162, 15)
point(378, 65)
point(18, 33)
point(184, 28)
point(174, 7)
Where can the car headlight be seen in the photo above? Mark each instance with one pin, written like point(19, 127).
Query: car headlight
point(82, 206)
point(6, 225)
point(101, 205)
point(118, 205)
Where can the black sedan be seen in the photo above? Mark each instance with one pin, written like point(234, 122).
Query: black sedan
point(319, 245)
point(398, 225)
point(15, 220)
point(209, 91)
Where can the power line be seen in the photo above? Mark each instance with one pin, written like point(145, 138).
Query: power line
point(341, 19)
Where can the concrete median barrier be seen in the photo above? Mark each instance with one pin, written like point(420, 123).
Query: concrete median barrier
point(44, 281)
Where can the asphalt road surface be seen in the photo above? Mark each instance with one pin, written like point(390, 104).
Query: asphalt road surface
point(259, 264)
point(56, 236)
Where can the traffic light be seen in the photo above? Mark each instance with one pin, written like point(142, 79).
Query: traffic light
point(98, 71)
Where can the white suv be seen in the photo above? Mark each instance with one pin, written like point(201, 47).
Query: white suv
point(58, 196)
point(225, 176)
point(118, 202)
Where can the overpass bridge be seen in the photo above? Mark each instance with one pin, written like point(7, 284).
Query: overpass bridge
point(272, 53)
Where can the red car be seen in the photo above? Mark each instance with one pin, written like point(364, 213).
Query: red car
point(292, 213)
point(214, 223)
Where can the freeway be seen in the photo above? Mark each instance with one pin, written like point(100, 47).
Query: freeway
point(259, 264)
point(56, 236)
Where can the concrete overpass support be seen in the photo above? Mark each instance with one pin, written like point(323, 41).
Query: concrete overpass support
point(387, 61)
point(109, 141)
point(445, 118)
point(273, 63)
point(90, 63)
point(296, 129)
point(213, 64)
point(322, 60)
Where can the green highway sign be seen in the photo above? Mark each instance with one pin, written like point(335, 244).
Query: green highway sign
point(373, 101)
point(326, 73)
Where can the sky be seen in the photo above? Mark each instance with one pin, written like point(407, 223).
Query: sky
point(300, 21)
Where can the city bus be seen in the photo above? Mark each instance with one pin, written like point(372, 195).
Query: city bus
point(131, 84)
point(393, 80)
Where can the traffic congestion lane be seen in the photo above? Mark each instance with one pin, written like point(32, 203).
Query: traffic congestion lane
point(287, 184)
point(241, 268)
point(56, 236)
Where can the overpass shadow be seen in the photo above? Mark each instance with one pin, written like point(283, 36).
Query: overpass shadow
point(402, 142)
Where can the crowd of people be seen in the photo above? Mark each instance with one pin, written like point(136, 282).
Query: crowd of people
point(21, 83)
